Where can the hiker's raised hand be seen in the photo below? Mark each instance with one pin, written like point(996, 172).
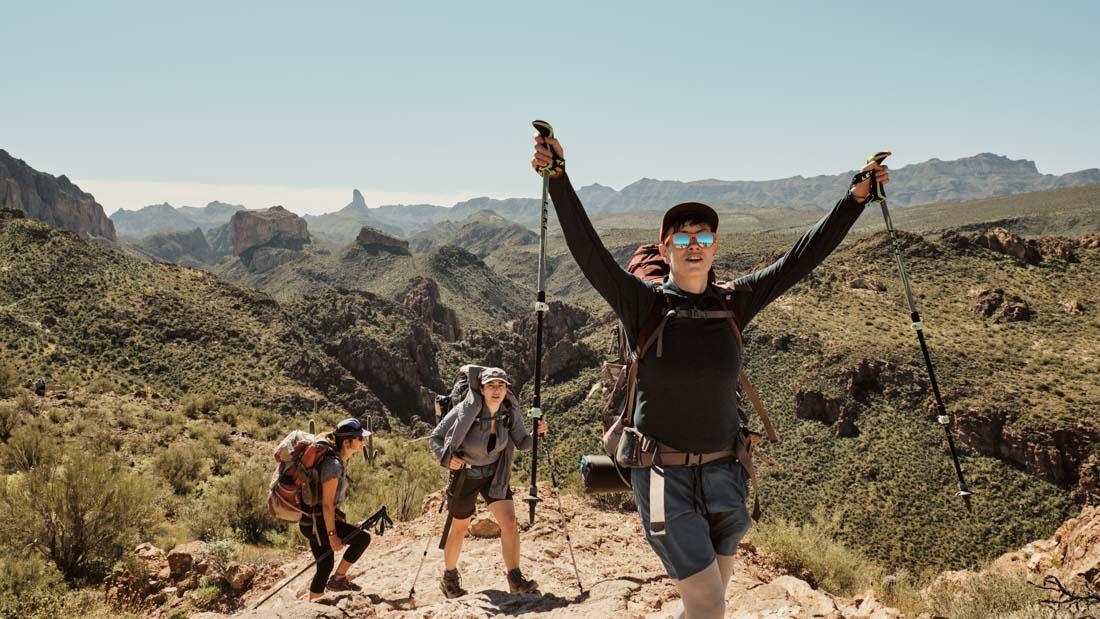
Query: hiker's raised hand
point(862, 191)
point(540, 427)
point(456, 463)
point(335, 543)
point(543, 156)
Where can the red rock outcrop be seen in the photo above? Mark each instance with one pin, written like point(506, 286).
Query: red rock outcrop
point(422, 297)
point(275, 227)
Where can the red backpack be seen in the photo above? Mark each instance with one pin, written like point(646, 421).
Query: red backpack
point(295, 485)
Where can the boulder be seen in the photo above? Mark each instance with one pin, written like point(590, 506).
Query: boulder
point(995, 303)
point(182, 558)
point(239, 575)
point(785, 596)
point(155, 562)
point(1004, 242)
point(1078, 548)
point(484, 526)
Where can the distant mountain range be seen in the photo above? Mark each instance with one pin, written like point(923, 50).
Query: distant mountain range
point(160, 218)
point(981, 176)
point(56, 200)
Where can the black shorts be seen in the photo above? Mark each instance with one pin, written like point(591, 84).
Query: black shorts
point(463, 503)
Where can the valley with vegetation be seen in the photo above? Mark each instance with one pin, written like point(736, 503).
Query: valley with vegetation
point(176, 349)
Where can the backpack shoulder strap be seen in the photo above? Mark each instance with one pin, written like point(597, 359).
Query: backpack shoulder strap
point(735, 324)
point(654, 324)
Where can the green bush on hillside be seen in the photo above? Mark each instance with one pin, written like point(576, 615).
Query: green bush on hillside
point(9, 380)
point(198, 404)
point(30, 588)
point(31, 446)
point(183, 466)
point(80, 514)
point(812, 548)
point(9, 419)
point(236, 506)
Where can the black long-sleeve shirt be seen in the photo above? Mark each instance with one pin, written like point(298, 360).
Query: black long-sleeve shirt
point(687, 397)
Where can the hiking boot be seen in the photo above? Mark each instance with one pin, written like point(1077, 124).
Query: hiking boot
point(517, 583)
point(451, 585)
point(341, 582)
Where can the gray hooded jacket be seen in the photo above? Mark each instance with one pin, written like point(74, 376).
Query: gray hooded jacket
point(448, 436)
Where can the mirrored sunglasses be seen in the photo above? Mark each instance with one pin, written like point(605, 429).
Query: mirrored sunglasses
point(680, 240)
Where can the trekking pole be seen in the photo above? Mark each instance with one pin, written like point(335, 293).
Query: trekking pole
point(448, 494)
point(532, 498)
point(457, 479)
point(380, 517)
point(561, 510)
point(878, 194)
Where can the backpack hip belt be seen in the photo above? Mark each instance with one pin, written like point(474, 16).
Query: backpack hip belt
point(669, 456)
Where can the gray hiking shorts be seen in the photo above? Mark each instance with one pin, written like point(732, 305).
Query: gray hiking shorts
point(705, 513)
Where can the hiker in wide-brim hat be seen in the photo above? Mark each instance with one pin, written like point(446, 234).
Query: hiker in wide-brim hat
point(693, 503)
point(479, 437)
point(346, 439)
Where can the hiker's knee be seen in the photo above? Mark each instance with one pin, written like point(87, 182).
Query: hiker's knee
point(507, 522)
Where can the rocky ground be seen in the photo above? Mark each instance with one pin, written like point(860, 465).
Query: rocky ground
point(620, 575)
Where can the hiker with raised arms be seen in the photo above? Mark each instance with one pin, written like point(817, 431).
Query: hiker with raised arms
point(337, 534)
point(685, 403)
point(478, 437)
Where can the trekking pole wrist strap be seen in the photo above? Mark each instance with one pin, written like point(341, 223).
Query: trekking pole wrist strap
point(556, 167)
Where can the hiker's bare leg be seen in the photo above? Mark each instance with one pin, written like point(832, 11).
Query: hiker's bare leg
point(343, 568)
point(314, 596)
point(504, 512)
point(453, 546)
point(702, 595)
point(725, 569)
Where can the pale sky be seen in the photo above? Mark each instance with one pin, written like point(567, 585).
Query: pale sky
point(299, 103)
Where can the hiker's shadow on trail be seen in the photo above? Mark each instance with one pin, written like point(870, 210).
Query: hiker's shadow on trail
point(512, 604)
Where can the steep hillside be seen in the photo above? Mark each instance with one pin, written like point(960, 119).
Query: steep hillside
point(383, 265)
point(74, 312)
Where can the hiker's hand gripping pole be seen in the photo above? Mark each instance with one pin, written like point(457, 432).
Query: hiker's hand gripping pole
point(878, 194)
point(535, 413)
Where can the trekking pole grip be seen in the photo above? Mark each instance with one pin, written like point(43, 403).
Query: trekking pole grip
point(547, 132)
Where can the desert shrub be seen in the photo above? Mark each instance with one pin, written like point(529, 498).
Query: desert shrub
point(198, 404)
point(235, 505)
point(80, 514)
point(991, 593)
point(9, 419)
point(9, 380)
point(31, 446)
point(30, 588)
point(183, 466)
point(401, 477)
point(102, 384)
point(810, 547)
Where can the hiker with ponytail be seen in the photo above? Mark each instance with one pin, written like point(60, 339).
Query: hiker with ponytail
point(324, 523)
point(477, 440)
point(681, 428)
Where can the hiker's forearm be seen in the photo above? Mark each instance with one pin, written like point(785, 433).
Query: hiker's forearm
point(810, 250)
point(439, 434)
point(614, 284)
